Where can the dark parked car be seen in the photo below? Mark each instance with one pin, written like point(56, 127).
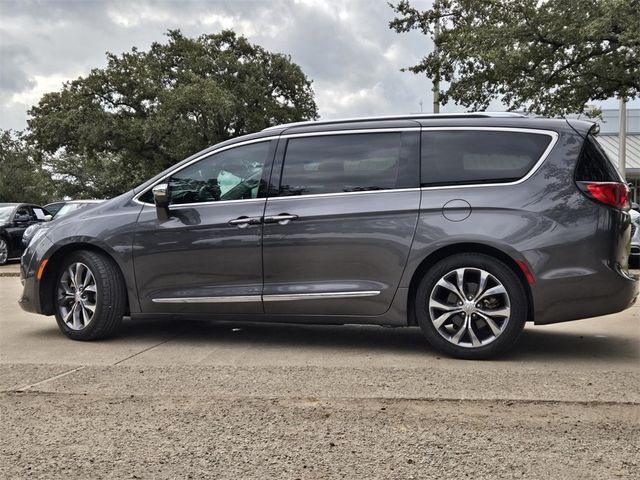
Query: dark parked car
point(15, 218)
point(66, 208)
point(467, 226)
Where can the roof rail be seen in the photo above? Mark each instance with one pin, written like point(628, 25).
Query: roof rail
point(411, 116)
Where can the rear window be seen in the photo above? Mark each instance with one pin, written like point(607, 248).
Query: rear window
point(594, 165)
point(459, 157)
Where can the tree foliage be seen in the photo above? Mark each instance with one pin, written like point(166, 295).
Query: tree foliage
point(22, 177)
point(548, 57)
point(146, 110)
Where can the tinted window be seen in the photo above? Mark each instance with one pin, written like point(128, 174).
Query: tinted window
point(233, 174)
point(24, 214)
point(593, 165)
point(467, 156)
point(5, 213)
point(350, 163)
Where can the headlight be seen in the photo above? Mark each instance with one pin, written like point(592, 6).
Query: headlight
point(31, 230)
point(36, 232)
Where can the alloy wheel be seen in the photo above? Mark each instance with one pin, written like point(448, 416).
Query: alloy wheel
point(469, 307)
point(77, 296)
point(4, 251)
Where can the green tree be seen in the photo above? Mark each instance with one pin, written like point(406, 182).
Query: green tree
point(146, 110)
point(550, 57)
point(22, 178)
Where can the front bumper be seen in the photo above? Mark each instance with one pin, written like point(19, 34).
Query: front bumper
point(36, 252)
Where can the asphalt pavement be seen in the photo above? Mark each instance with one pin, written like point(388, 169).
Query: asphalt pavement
point(169, 399)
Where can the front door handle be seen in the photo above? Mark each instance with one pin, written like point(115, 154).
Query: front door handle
point(244, 222)
point(282, 218)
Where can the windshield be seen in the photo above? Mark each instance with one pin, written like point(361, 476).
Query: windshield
point(68, 208)
point(5, 213)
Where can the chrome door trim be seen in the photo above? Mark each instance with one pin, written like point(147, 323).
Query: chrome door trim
point(284, 297)
point(278, 297)
point(222, 299)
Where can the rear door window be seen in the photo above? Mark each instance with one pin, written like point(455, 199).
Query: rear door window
point(460, 157)
point(350, 163)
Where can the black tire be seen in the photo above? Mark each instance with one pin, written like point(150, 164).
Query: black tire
point(110, 299)
point(517, 299)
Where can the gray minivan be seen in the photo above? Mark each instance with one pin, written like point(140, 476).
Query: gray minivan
point(466, 225)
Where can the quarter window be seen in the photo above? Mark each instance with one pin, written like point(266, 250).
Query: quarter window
point(456, 157)
point(350, 163)
point(594, 165)
point(233, 174)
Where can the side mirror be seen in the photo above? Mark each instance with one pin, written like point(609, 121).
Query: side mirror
point(47, 218)
point(161, 199)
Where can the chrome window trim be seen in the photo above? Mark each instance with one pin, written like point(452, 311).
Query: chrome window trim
point(347, 132)
point(136, 198)
point(341, 194)
point(180, 206)
point(554, 139)
point(278, 297)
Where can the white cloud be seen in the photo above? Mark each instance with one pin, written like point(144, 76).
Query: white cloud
point(42, 84)
point(346, 48)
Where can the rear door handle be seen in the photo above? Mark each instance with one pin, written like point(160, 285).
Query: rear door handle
point(244, 222)
point(282, 218)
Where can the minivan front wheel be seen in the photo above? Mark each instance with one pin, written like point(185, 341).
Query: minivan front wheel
point(90, 296)
point(471, 306)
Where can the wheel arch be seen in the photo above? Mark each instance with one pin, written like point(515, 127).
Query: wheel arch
point(47, 283)
point(454, 249)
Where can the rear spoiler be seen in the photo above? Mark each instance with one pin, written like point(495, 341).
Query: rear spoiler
point(583, 127)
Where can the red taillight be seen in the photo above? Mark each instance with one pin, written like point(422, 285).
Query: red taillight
point(614, 194)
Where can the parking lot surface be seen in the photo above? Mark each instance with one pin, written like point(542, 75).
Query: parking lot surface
point(248, 400)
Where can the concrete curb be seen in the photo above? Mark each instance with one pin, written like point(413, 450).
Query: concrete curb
point(9, 274)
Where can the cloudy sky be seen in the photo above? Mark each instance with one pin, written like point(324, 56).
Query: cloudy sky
point(344, 46)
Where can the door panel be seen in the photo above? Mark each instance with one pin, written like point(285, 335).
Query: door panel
point(197, 254)
point(353, 246)
point(331, 247)
point(207, 256)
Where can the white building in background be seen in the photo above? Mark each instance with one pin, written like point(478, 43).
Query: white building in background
point(609, 139)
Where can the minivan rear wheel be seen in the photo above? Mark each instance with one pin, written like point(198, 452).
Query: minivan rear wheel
point(90, 296)
point(471, 306)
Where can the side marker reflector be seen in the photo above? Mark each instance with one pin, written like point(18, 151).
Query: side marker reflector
point(526, 271)
point(43, 264)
